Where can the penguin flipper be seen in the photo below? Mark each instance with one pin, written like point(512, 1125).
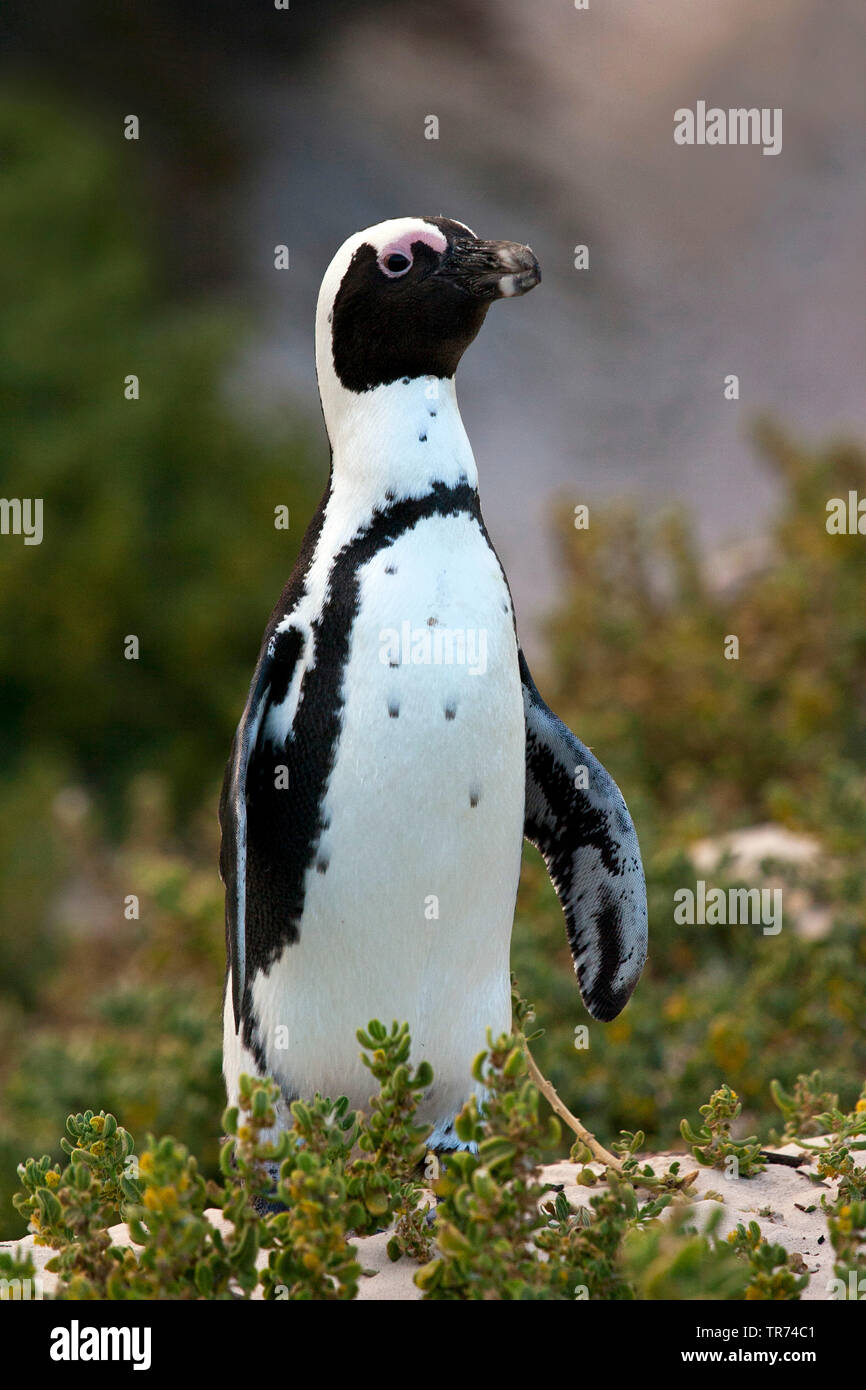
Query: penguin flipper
point(589, 844)
point(252, 810)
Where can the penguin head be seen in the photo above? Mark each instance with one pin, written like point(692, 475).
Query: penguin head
point(404, 299)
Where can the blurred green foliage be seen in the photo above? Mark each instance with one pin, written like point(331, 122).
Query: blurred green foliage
point(701, 745)
point(638, 658)
point(128, 1008)
point(158, 512)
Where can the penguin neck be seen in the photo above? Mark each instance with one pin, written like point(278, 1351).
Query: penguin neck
point(396, 441)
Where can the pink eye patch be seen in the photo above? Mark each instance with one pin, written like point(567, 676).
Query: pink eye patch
point(400, 249)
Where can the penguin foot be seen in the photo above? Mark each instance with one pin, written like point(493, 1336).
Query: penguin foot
point(266, 1204)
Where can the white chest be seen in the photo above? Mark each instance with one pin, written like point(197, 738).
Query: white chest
point(409, 902)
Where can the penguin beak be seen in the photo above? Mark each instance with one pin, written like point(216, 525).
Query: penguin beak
point(492, 269)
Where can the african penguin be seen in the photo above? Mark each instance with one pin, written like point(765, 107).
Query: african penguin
point(394, 750)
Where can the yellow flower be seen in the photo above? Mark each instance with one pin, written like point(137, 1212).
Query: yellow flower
point(160, 1198)
point(676, 1007)
point(861, 1105)
point(51, 1178)
point(843, 1221)
point(619, 1031)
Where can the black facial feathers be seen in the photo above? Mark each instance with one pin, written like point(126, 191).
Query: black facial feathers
point(418, 324)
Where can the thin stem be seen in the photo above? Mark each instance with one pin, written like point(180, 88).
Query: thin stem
point(598, 1151)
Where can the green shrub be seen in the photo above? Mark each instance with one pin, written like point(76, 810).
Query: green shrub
point(325, 1192)
point(495, 1233)
point(714, 1146)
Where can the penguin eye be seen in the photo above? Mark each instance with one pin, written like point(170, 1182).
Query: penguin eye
point(395, 263)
